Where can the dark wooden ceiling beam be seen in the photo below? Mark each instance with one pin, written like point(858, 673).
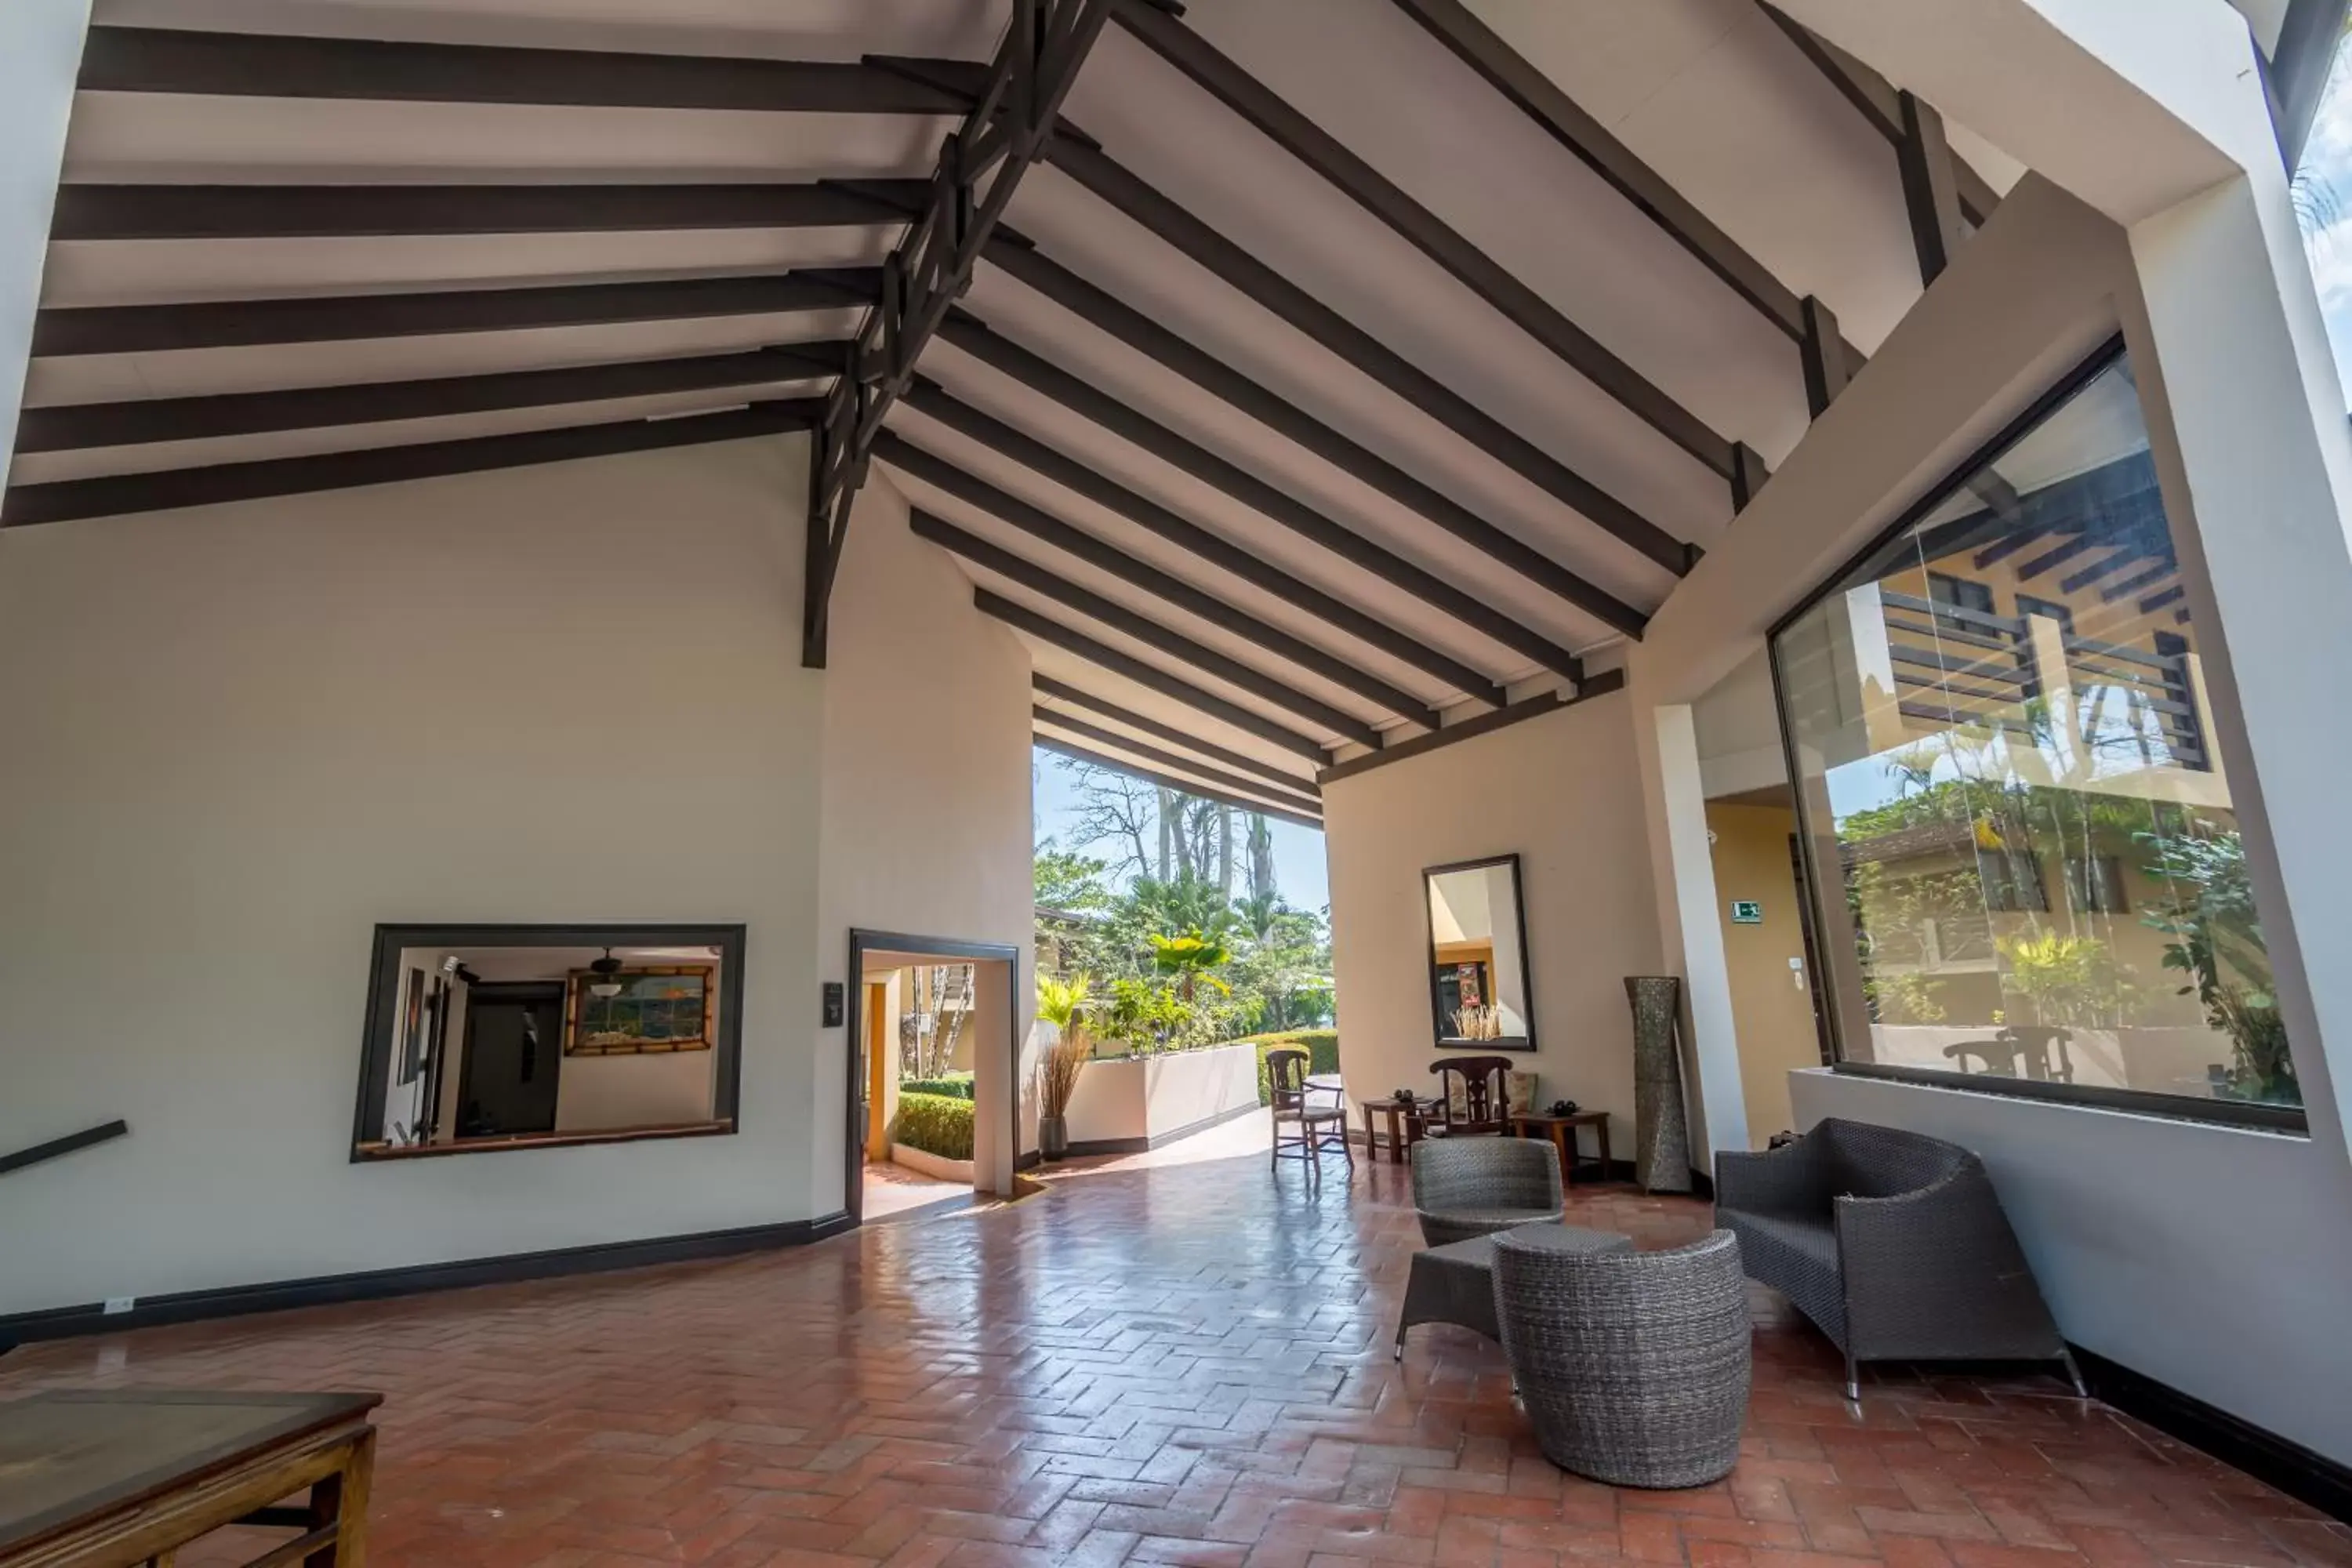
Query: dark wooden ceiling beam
point(1012, 511)
point(1008, 120)
point(1175, 762)
point(1130, 624)
point(1049, 463)
point(1560, 117)
point(1186, 763)
point(1171, 781)
point(1879, 102)
point(1100, 309)
point(120, 212)
point(74, 426)
point(262, 65)
point(1078, 696)
point(1084, 398)
point(236, 324)
point(119, 495)
point(1330, 158)
point(1931, 196)
point(1269, 288)
point(1045, 629)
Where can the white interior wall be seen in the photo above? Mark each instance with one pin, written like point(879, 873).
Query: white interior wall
point(243, 735)
point(1559, 790)
point(927, 818)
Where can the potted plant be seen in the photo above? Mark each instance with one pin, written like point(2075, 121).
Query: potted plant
point(1061, 1004)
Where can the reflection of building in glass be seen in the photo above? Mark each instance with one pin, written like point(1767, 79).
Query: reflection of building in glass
point(2001, 722)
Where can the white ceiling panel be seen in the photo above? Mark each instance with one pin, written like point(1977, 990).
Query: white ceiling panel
point(133, 136)
point(1149, 758)
point(192, 373)
point(1365, 72)
point(36, 468)
point(806, 29)
point(157, 271)
point(1208, 420)
point(1048, 660)
point(1120, 641)
point(1103, 246)
point(1235, 599)
point(1206, 508)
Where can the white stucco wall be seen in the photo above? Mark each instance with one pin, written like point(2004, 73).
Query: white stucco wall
point(1562, 791)
point(240, 736)
point(925, 812)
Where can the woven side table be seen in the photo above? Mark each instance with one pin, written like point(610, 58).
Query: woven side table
point(1456, 1283)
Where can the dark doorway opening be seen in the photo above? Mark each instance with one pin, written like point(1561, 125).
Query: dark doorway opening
point(514, 1054)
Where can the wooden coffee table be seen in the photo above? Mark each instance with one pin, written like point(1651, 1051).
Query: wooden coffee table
point(131, 1476)
point(1562, 1131)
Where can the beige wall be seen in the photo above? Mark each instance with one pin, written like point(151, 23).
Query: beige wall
point(926, 815)
point(242, 735)
point(1564, 792)
point(1773, 1012)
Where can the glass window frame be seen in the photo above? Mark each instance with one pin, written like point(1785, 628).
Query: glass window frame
point(2246, 1114)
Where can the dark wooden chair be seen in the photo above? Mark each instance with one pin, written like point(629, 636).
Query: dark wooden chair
point(1486, 1085)
point(1314, 1126)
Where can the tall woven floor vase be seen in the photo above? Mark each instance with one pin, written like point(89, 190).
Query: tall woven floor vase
point(1661, 1135)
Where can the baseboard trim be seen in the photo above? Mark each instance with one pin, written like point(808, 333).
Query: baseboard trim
point(381, 1284)
point(1160, 1139)
point(2304, 1475)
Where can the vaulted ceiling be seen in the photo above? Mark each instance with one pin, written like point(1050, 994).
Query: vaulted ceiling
point(1329, 371)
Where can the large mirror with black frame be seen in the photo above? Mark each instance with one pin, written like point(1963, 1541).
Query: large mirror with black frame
point(1478, 954)
point(503, 1036)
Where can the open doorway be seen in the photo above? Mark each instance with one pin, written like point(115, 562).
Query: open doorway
point(934, 1028)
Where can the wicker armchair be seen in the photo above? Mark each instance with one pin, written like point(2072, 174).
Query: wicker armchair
point(1634, 1367)
point(1893, 1243)
point(1470, 1187)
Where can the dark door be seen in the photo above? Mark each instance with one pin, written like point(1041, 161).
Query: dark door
point(514, 1053)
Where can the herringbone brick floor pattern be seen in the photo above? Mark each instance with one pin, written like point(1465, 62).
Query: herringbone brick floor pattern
point(1180, 1364)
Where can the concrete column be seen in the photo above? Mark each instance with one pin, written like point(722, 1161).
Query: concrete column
point(40, 54)
point(1689, 933)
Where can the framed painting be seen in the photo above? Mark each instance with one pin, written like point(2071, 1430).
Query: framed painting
point(668, 1008)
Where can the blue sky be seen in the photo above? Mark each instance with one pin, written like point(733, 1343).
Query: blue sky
point(2327, 181)
point(1299, 872)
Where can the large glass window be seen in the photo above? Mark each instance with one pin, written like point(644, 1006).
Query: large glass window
point(2019, 838)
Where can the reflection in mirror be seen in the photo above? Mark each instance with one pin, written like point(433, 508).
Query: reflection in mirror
point(1477, 954)
point(504, 1037)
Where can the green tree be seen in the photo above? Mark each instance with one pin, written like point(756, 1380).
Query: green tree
point(1068, 880)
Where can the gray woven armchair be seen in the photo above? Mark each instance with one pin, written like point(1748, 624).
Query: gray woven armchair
point(1473, 1187)
point(1634, 1367)
point(1893, 1243)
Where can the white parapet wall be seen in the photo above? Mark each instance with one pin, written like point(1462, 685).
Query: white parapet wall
point(1132, 1103)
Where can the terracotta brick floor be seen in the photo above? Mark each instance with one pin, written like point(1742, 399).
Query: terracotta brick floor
point(1178, 1363)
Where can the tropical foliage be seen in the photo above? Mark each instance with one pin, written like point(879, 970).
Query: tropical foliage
point(1173, 954)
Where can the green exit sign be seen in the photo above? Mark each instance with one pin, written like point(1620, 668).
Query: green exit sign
point(1746, 912)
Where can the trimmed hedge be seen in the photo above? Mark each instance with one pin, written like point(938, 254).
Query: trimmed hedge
point(935, 1124)
point(1321, 1045)
point(955, 1086)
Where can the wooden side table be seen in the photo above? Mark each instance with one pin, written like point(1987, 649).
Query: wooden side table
point(1562, 1131)
point(133, 1475)
point(1398, 1112)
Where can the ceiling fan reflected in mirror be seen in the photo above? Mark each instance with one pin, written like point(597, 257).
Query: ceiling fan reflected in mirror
point(607, 982)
